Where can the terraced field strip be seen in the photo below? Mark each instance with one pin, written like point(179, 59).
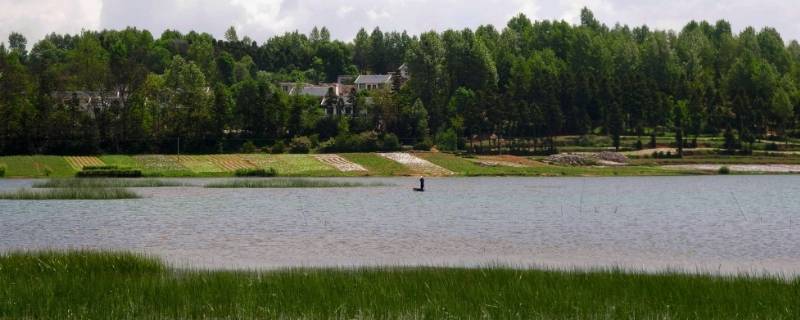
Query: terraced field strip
point(199, 164)
point(417, 164)
point(232, 162)
point(293, 164)
point(78, 163)
point(339, 163)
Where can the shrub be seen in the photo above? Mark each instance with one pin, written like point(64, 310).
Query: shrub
point(447, 140)
point(724, 170)
point(278, 148)
point(772, 146)
point(110, 173)
point(249, 147)
point(271, 172)
point(2, 171)
point(363, 142)
point(593, 141)
point(300, 145)
point(92, 168)
point(368, 141)
point(424, 145)
point(327, 145)
point(391, 142)
point(730, 143)
point(667, 155)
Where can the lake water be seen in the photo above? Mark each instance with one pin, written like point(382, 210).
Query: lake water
point(723, 224)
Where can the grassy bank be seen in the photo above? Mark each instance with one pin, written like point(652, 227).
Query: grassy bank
point(377, 165)
point(96, 285)
point(289, 183)
point(70, 194)
point(307, 165)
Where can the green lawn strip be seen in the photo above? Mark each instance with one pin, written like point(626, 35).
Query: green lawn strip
point(36, 166)
point(162, 166)
point(121, 161)
point(98, 285)
point(377, 165)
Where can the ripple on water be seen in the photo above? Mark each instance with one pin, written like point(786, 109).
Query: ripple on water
point(712, 223)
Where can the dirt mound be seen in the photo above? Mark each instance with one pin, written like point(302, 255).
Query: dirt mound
point(604, 158)
point(611, 156)
point(571, 159)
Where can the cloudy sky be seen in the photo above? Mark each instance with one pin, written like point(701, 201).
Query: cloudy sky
point(260, 19)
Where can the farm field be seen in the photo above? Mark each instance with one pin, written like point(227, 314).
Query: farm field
point(370, 164)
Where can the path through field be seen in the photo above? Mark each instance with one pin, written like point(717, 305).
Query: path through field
point(339, 163)
point(420, 166)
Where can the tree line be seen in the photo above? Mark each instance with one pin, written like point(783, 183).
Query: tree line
point(532, 79)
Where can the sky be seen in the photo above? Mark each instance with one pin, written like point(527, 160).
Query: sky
point(260, 19)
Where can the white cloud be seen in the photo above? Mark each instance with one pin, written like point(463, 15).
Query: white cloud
point(36, 18)
point(343, 11)
point(376, 15)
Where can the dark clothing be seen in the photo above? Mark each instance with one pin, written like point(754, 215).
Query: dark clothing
point(422, 184)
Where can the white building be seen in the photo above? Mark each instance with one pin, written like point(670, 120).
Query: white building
point(373, 81)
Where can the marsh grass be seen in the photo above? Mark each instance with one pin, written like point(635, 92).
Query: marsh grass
point(106, 183)
point(70, 194)
point(290, 183)
point(100, 285)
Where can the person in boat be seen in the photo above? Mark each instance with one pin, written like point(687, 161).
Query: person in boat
point(421, 185)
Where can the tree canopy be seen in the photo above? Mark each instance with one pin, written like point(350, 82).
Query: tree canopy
point(532, 79)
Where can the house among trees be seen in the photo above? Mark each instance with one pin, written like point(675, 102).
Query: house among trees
point(90, 102)
point(336, 98)
point(341, 98)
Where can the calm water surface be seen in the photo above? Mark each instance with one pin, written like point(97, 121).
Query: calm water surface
point(708, 223)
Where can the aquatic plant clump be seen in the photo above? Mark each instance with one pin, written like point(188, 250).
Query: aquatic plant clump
point(101, 285)
point(289, 183)
point(108, 172)
point(270, 172)
point(107, 183)
point(71, 194)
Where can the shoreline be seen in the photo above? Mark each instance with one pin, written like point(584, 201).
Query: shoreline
point(395, 164)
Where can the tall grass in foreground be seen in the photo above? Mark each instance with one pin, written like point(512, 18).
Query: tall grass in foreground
point(289, 183)
point(106, 183)
point(70, 194)
point(97, 285)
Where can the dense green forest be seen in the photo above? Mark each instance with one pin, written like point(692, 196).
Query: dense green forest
point(533, 79)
